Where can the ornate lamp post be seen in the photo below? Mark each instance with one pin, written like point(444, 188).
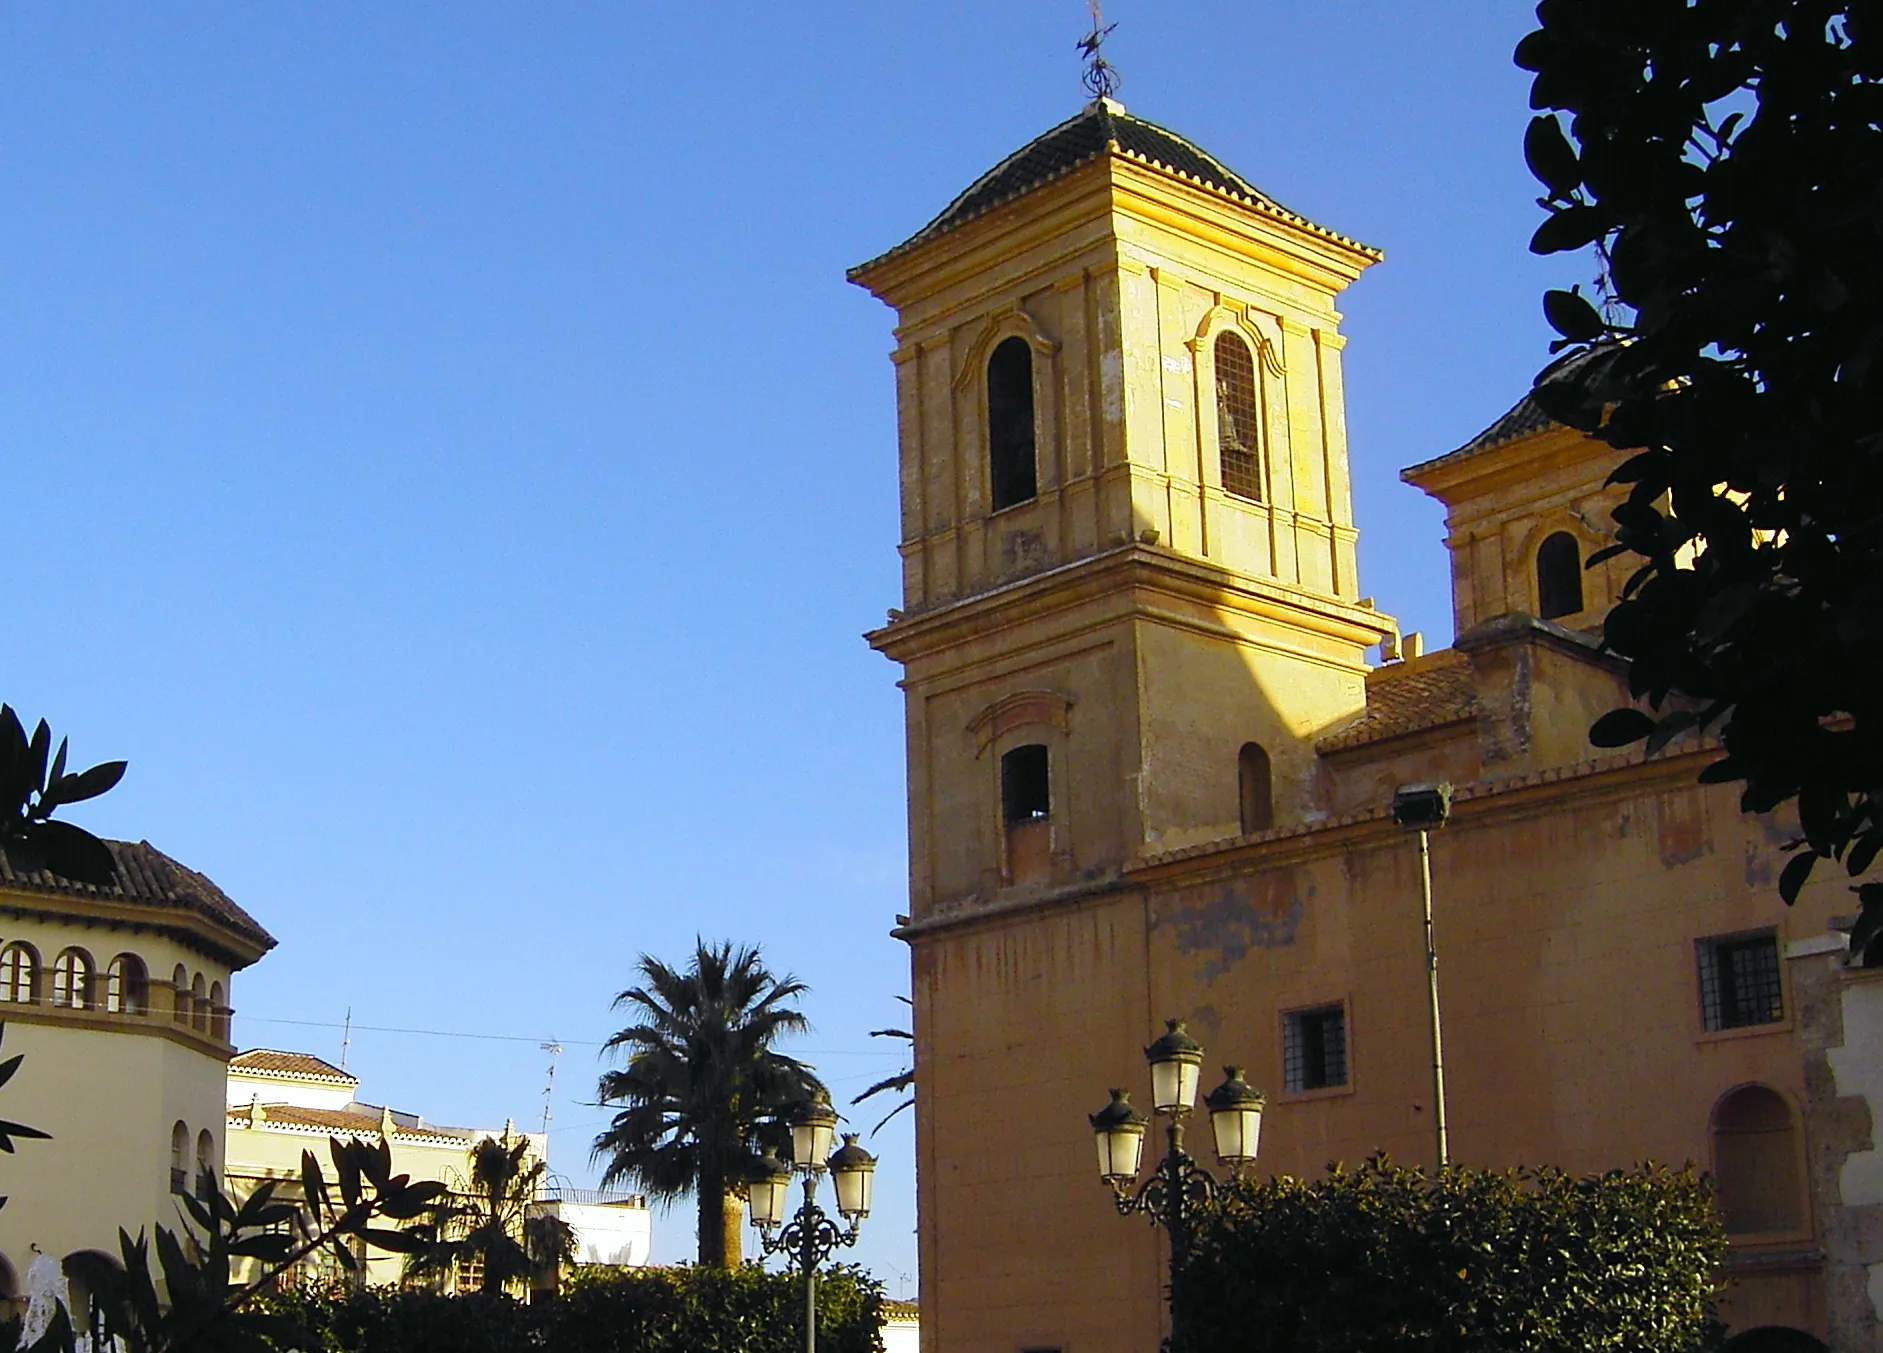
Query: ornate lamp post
point(1178, 1184)
point(811, 1236)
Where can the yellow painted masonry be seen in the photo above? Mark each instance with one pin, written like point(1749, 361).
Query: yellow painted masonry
point(1159, 636)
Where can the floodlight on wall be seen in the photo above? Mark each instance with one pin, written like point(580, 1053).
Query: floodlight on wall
point(1422, 805)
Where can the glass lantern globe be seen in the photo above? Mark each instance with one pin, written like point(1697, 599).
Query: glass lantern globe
point(1175, 1060)
point(1118, 1129)
point(853, 1174)
point(766, 1196)
point(1236, 1118)
point(813, 1127)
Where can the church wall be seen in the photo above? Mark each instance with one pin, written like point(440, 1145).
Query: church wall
point(1567, 914)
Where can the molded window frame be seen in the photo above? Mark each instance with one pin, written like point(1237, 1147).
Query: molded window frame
point(1547, 579)
point(1012, 343)
point(72, 975)
point(1282, 1025)
point(19, 974)
point(1258, 453)
point(1797, 1161)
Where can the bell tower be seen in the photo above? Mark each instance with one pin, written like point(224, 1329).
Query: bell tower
point(1129, 588)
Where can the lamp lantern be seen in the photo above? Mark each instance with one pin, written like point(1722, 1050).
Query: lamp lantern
point(1235, 1118)
point(853, 1172)
point(1118, 1128)
point(766, 1195)
point(813, 1127)
point(1175, 1060)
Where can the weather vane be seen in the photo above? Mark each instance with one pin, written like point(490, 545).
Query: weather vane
point(1101, 77)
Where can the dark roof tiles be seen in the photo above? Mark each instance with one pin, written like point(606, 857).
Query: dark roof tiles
point(147, 876)
point(1409, 697)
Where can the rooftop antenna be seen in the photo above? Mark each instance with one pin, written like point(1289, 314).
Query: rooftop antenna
point(554, 1049)
point(346, 1038)
point(1101, 79)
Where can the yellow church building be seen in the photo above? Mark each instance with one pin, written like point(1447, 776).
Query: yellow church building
point(1154, 727)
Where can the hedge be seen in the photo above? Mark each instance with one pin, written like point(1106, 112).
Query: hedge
point(1384, 1259)
point(663, 1310)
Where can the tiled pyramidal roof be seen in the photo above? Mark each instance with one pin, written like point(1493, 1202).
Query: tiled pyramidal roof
point(1101, 127)
point(146, 875)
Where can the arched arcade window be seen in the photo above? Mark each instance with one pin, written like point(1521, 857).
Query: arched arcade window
point(1255, 782)
point(180, 994)
point(1755, 1163)
point(1012, 466)
point(179, 1157)
point(127, 986)
point(72, 979)
point(199, 1004)
point(1558, 576)
point(19, 973)
point(1238, 418)
point(205, 1165)
point(218, 1012)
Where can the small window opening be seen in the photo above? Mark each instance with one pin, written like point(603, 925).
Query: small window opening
point(205, 1165)
point(1755, 1162)
point(1256, 782)
point(1238, 441)
point(19, 974)
point(1010, 423)
point(180, 994)
point(72, 979)
point(199, 1004)
point(1739, 982)
point(127, 986)
point(1025, 785)
point(1314, 1048)
point(218, 1012)
point(179, 1157)
point(1559, 576)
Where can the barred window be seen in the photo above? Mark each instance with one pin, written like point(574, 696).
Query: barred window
point(1558, 576)
point(1314, 1048)
point(1739, 981)
point(1011, 463)
point(1237, 418)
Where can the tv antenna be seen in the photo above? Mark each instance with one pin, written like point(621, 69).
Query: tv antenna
point(554, 1049)
point(1101, 79)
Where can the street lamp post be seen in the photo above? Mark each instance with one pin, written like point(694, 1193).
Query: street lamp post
point(1178, 1184)
point(1423, 807)
point(812, 1236)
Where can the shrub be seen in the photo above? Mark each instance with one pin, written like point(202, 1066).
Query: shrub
point(661, 1310)
point(1386, 1260)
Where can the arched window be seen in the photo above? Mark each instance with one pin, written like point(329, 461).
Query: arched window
point(1755, 1163)
point(19, 973)
point(1011, 462)
point(180, 994)
point(179, 1157)
point(1559, 576)
point(1026, 807)
point(1255, 779)
point(205, 1165)
point(1238, 418)
point(72, 979)
point(218, 1012)
point(127, 986)
point(199, 1004)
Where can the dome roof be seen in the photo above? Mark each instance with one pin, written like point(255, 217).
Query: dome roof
point(1099, 127)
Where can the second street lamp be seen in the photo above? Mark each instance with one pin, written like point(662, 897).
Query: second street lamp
point(811, 1236)
point(1178, 1185)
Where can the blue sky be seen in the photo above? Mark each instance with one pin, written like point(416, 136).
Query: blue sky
point(445, 459)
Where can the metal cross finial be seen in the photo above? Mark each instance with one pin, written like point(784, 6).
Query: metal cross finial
point(1101, 78)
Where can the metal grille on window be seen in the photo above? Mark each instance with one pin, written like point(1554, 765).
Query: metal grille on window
point(1314, 1048)
point(1238, 440)
point(1739, 982)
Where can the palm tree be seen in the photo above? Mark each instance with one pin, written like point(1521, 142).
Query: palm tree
point(492, 1219)
point(903, 1082)
point(702, 1089)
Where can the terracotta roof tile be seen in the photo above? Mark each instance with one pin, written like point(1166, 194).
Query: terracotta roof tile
point(271, 1061)
point(146, 875)
point(1406, 697)
point(338, 1122)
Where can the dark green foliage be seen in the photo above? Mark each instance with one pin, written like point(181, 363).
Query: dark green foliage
point(489, 1221)
point(202, 1309)
point(34, 784)
point(1726, 157)
point(672, 1310)
point(702, 1090)
point(1383, 1259)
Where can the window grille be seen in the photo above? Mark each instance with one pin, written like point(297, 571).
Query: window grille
point(1739, 982)
point(1314, 1048)
point(1238, 437)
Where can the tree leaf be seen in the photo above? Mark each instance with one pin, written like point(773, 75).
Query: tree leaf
point(1619, 727)
point(1792, 878)
point(1550, 156)
point(1569, 228)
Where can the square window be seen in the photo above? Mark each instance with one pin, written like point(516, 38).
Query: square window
point(1739, 981)
point(1314, 1048)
